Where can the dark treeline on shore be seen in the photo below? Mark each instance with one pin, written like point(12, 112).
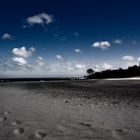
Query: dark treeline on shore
point(118, 73)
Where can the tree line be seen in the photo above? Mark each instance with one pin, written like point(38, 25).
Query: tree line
point(117, 73)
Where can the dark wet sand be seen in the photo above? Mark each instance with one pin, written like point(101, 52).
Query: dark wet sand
point(70, 110)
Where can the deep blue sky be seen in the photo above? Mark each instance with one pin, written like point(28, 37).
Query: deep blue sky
point(76, 25)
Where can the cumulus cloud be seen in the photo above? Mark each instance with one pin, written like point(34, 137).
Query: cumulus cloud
point(59, 57)
point(103, 45)
point(20, 61)
point(80, 66)
point(77, 50)
point(118, 41)
point(23, 52)
point(128, 58)
point(40, 61)
point(96, 44)
point(7, 36)
point(40, 19)
point(107, 66)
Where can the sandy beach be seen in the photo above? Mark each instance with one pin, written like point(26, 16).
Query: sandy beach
point(70, 110)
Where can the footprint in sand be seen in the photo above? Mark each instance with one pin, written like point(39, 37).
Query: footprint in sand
point(85, 124)
point(19, 131)
point(125, 134)
point(17, 122)
point(66, 101)
point(83, 130)
point(2, 119)
point(122, 132)
point(40, 134)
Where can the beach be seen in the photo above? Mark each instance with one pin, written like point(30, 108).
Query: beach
point(70, 110)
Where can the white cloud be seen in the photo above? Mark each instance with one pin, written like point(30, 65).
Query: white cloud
point(59, 57)
point(96, 45)
point(20, 61)
point(23, 52)
point(40, 61)
point(40, 19)
point(7, 36)
point(40, 58)
point(77, 50)
point(103, 45)
point(128, 58)
point(80, 66)
point(139, 59)
point(96, 68)
point(118, 41)
point(75, 67)
point(107, 66)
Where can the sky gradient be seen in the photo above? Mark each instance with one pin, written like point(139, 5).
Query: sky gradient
point(49, 38)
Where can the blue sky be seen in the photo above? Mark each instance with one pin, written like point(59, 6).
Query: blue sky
point(64, 38)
